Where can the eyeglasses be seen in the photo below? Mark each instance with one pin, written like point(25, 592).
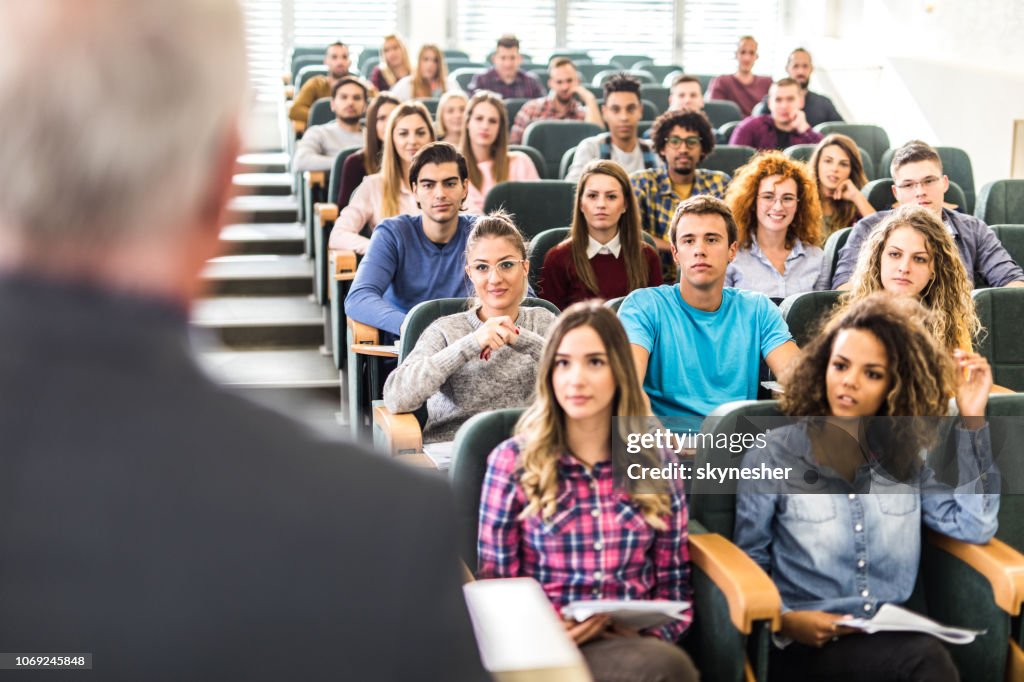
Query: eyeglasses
point(504, 267)
point(691, 142)
point(924, 184)
point(788, 200)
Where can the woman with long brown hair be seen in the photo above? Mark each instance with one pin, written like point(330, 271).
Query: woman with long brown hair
point(428, 79)
point(838, 171)
point(549, 509)
point(358, 166)
point(842, 536)
point(778, 216)
point(386, 193)
point(605, 255)
point(485, 146)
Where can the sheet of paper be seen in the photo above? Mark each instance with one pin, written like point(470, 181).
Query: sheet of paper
point(634, 613)
point(440, 453)
point(892, 618)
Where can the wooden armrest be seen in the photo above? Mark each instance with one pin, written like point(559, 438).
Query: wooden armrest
point(467, 575)
point(328, 213)
point(751, 594)
point(316, 178)
point(1002, 566)
point(344, 264)
point(363, 333)
point(401, 431)
point(299, 127)
point(1014, 662)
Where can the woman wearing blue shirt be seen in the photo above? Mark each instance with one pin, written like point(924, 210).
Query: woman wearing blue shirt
point(837, 552)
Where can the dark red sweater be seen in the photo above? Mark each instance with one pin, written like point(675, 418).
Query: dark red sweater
point(560, 285)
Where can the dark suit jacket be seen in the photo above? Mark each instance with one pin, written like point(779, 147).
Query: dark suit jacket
point(178, 532)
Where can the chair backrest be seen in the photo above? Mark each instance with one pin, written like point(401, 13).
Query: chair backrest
point(430, 103)
point(552, 138)
point(663, 73)
point(833, 245)
point(539, 247)
point(805, 312)
point(320, 112)
point(305, 60)
point(366, 67)
point(464, 75)
point(717, 511)
point(1006, 424)
point(721, 111)
point(956, 164)
point(643, 126)
point(571, 54)
point(474, 441)
point(1001, 201)
point(656, 95)
point(1012, 239)
point(1001, 312)
point(627, 61)
point(724, 131)
point(566, 163)
point(455, 54)
point(615, 303)
point(334, 186)
point(535, 156)
point(537, 205)
point(880, 196)
point(870, 137)
point(728, 157)
point(588, 70)
point(512, 106)
point(643, 76)
point(460, 62)
point(366, 54)
point(307, 72)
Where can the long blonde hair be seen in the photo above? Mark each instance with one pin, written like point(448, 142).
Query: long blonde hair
point(385, 68)
point(421, 87)
point(542, 428)
point(499, 148)
point(630, 235)
point(442, 106)
point(954, 320)
point(391, 166)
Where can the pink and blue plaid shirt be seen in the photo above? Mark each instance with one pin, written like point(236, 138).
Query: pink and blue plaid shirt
point(595, 546)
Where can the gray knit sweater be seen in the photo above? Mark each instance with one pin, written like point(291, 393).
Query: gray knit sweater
point(445, 371)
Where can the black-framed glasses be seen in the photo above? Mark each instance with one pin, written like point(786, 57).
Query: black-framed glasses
point(691, 142)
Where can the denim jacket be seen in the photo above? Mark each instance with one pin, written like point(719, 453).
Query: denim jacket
point(851, 551)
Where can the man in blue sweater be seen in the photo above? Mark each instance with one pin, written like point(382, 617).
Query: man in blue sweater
point(417, 258)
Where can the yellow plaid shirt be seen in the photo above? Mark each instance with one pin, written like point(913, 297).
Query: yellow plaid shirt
point(657, 200)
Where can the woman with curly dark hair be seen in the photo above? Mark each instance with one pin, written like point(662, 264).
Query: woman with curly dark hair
point(775, 204)
point(842, 537)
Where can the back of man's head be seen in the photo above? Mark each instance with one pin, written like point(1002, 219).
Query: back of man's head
point(123, 145)
point(913, 152)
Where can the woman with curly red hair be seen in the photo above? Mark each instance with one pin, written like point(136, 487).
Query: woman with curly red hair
point(775, 203)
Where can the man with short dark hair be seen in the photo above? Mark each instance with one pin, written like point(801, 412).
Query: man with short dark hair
point(417, 258)
point(566, 100)
point(918, 179)
point(742, 88)
point(506, 78)
point(682, 139)
point(817, 108)
point(337, 61)
point(697, 344)
point(321, 143)
point(685, 94)
point(785, 126)
point(621, 111)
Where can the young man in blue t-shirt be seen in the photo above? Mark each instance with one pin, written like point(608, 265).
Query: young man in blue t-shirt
point(698, 344)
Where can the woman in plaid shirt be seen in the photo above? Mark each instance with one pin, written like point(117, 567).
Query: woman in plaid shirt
point(548, 509)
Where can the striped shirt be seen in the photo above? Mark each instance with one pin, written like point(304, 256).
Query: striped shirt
point(596, 545)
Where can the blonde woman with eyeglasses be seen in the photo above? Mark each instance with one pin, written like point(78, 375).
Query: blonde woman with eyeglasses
point(486, 357)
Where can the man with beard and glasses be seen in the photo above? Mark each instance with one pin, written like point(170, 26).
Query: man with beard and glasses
point(817, 108)
point(318, 147)
point(682, 139)
point(337, 61)
point(566, 101)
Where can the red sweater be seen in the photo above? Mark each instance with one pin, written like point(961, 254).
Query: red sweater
point(560, 285)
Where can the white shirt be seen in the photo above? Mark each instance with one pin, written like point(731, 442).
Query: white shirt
point(596, 248)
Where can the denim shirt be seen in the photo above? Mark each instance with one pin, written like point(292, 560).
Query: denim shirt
point(807, 269)
point(849, 552)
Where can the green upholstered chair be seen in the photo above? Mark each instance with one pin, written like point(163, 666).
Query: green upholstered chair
point(307, 72)
point(552, 138)
point(1001, 201)
point(724, 132)
point(628, 61)
point(512, 106)
point(731, 596)
point(430, 103)
point(366, 54)
point(880, 196)
point(663, 73)
point(536, 205)
point(366, 67)
point(615, 303)
point(956, 164)
point(455, 54)
point(973, 586)
point(805, 312)
point(535, 156)
point(465, 74)
point(833, 245)
point(320, 113)
point(657, 95)
point(1012, 239)
point(305, 60)
point(403, 433)
point(803, 152)
point(722, 111)
point(1001, 312)
point(728, 158)
point(870, 137)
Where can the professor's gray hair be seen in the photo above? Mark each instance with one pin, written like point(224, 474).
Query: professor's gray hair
point(111, 113)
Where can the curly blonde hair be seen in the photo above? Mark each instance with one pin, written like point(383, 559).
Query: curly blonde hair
point(542, 428)
point(742, 198)
point(954, 320)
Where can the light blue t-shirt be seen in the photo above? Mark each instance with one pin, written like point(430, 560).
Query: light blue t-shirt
point(700, 360)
